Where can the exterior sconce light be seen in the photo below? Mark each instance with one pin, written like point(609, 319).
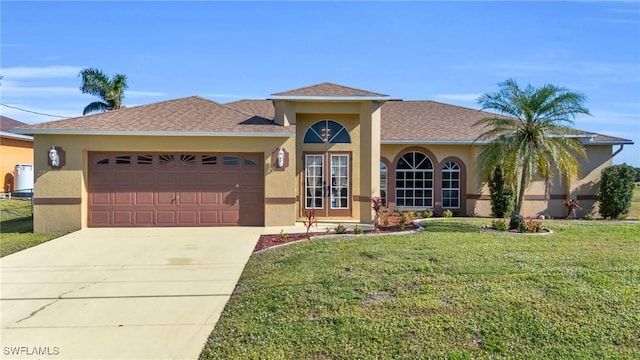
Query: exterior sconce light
point(280, 158)
point(54, 157)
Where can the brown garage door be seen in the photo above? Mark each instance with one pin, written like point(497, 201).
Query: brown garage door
point(175, 189)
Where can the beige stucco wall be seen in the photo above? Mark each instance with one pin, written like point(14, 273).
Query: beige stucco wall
point(13, 152)
point(584, 187)
point(70, 182)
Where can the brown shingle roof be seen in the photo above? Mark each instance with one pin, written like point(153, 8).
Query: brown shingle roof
point(327, 89)
point(7, 124)
point(263, 108)
point(429, 121)
point(191, 114)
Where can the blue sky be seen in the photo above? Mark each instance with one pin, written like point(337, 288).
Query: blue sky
point(444, 51)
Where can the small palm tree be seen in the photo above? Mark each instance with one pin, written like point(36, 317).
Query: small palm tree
point(529, 137)
point(111, 91)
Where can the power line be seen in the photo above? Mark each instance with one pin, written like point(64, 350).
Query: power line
point(33, 112)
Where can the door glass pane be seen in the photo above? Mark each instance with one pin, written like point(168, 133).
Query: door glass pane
point(313, 181)
point(339, 181)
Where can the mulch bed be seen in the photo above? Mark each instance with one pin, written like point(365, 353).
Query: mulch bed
point(267, 241)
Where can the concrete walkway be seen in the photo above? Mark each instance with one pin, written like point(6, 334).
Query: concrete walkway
point(153, 293)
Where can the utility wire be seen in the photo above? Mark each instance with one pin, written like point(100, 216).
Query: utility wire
point(34, 112)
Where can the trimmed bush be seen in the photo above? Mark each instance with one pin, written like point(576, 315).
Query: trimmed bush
point(447, 213)
point(616, 190)
point(501, 195)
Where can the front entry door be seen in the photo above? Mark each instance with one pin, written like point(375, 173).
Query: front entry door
point(327, 184)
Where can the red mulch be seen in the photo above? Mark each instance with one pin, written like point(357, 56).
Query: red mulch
point(267, 241)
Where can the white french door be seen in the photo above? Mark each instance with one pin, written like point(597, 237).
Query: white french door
point(327, 184)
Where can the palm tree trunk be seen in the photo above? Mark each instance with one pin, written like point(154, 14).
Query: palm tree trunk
point(523, 187)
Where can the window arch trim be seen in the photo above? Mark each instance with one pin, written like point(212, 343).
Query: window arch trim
point(327, 132)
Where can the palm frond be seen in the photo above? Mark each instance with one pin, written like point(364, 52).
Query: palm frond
point(96, 106)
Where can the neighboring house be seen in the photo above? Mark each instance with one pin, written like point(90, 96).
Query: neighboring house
point(15, 149)
point(326, 148)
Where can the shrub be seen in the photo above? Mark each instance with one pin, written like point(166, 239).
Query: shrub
point(341, 229)
point(500, 225)
point(427, 214)
point(283, 235)
point(589, 217)
point(531, 226)
point(501, 195)
point(357, 229)
point(378, 208)
point(447, 213)
point(310, 221)
point(616, 190)
point(386, 221)
point(402, 222)
point(572, 207)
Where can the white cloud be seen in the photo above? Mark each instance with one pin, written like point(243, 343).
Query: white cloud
point(25, 72)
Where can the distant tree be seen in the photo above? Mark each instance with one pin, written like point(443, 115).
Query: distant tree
point(638, 174)
point(616, 190)
point(526, 138)
point(110, 91)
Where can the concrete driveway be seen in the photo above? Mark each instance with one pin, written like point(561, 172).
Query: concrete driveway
point(152, 293)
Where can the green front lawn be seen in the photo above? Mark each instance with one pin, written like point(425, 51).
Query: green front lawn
point(16, 227)
point(452, 291)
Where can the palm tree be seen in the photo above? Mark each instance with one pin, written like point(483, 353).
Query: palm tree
point(111, 91)
point(530, 135)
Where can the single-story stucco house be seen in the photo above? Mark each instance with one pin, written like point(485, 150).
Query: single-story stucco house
point(326, 148)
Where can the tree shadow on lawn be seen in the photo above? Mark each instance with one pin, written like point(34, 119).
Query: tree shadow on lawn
point(20, 225)
point(449, 227)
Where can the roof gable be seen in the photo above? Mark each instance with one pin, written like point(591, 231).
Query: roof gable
point(327, 89)
point(7, 124)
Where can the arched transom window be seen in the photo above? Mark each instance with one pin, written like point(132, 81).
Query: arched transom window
point(414, 181)
point(327, 132)
point(451, 185)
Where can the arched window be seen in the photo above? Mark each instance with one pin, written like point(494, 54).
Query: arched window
point(414, 181)
point(451, 185)
point(327, 132)
point(383, 183)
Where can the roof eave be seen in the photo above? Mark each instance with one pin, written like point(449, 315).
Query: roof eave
point(155, 133)
point(12, 135)
point(328, 98)
point(433, 142)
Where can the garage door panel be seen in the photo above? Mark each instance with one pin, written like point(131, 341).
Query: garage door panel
point(188, 198)
point(166, 198)
point(124, 179)
point(123, 217)
point(209, 217)
point(230, 217)
point(145, 217)
point(144, 198)
point(188, 217)
point(175, 189)
point(100, 198)
point(164, 217)
point(100, 218)
point(145, 178)
point(123, 198)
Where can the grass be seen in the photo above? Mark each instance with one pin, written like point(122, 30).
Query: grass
point(450, 292)
point(16, 227)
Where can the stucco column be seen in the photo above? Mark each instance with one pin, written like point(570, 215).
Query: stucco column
point(370, 157)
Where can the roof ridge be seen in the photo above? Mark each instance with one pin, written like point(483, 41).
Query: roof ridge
point(326, 83)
